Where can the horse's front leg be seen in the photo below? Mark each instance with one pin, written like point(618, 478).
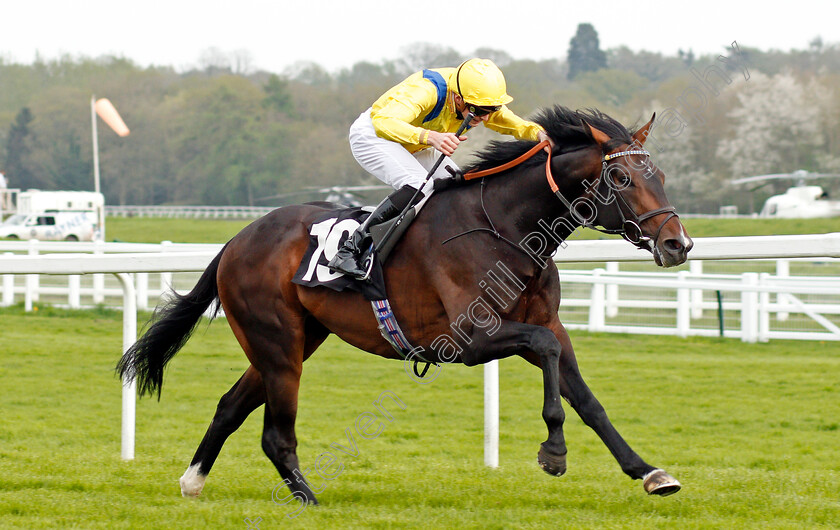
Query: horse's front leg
point(515, 338)
point(574, 388)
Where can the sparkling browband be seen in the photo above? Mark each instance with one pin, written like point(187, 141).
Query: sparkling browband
point(622, 153)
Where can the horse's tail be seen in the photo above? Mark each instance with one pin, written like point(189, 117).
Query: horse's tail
point(174, 322)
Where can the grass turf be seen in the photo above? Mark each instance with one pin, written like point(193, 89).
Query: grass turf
point(750, 430)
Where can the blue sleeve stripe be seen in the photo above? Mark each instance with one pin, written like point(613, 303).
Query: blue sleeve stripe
point(440, 84)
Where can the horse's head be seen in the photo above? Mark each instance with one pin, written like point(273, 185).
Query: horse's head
point(630, 199)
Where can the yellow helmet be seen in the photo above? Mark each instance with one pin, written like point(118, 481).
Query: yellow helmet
point(481, 83)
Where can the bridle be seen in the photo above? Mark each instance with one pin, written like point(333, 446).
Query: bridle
point(630, 230)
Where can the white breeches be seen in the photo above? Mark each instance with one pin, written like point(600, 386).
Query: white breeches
point(389, 161)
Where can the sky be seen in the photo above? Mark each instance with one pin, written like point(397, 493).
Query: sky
point(276, 34)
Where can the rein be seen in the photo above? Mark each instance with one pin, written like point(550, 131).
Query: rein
point(627, 225)
point(471, 175)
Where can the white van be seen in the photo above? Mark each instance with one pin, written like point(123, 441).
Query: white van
point(57, 216)
point(52, 225)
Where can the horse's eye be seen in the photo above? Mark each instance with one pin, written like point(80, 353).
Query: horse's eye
point(623, 180)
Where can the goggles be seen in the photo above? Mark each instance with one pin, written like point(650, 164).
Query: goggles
point(479, 111)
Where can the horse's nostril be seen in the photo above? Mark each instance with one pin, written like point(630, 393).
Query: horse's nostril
point(673, 245)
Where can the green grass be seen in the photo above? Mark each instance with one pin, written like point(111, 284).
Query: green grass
point(760, 227)
point(750, 430)
point(155, 230)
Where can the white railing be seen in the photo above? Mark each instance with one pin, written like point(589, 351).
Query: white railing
point(96, 291)
point(123, 265)
point(203, 212)
point(686, 295)
point(34, 246)
point(758, 297)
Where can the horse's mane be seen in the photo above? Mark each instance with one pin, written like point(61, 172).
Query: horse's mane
point(565, 126)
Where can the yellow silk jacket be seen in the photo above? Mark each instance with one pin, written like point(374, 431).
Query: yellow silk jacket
point(399, 113)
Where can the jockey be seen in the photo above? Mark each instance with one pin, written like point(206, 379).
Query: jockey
point(399, 139)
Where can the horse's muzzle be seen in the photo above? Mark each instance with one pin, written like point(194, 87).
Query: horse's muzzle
point(673, 251)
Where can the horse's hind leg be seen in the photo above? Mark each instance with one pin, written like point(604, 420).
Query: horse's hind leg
point(279, 440)
point(243, 398)
point(276, 343)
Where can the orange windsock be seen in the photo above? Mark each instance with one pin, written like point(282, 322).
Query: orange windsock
point(105, 109)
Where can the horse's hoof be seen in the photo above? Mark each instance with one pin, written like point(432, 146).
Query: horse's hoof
point(192, 482)
point(551, 463)
point(658, 482)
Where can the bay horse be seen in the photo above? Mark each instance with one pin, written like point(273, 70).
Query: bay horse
point(602, 176)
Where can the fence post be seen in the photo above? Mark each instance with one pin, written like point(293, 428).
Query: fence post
point(8, 286)
point(165, 277)
point(491, 414)
point(98, 279)
point(32, 280)
point(612, 291)
point(129, 390)
point(763, 309)
point(749, 308)
point(683, 306)
point(696, 268)
point(782, 271)
point(597, 309)
point(142, 280)
point(74, 291)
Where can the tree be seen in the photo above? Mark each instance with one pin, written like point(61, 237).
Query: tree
point(585, 54)
point(18, 148)
point(776, 126)
point(650, 65)
point(277, 97)
point(690, 185)
point(225, 149)
point(500, 57)
point(615, 87)
point(686, 57)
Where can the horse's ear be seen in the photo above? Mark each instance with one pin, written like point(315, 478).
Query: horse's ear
point(641, 135)
point(599, 136)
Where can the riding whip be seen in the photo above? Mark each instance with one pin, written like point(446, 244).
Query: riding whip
point(469, 117)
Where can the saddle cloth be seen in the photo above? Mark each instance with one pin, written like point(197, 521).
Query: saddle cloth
point(326, 235)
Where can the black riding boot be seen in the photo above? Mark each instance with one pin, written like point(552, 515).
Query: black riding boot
point(349, 258)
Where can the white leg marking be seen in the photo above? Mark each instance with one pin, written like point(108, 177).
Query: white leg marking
point(192, 482)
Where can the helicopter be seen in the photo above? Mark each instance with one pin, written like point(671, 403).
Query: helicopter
point(344, 195)
point(800, 200)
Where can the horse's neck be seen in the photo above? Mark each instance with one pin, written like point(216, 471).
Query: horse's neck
point(525, 197)
point(518, 207)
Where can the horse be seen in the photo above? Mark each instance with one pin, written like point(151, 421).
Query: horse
point(597, 175)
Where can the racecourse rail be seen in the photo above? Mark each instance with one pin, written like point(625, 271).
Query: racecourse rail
point(131, 264)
